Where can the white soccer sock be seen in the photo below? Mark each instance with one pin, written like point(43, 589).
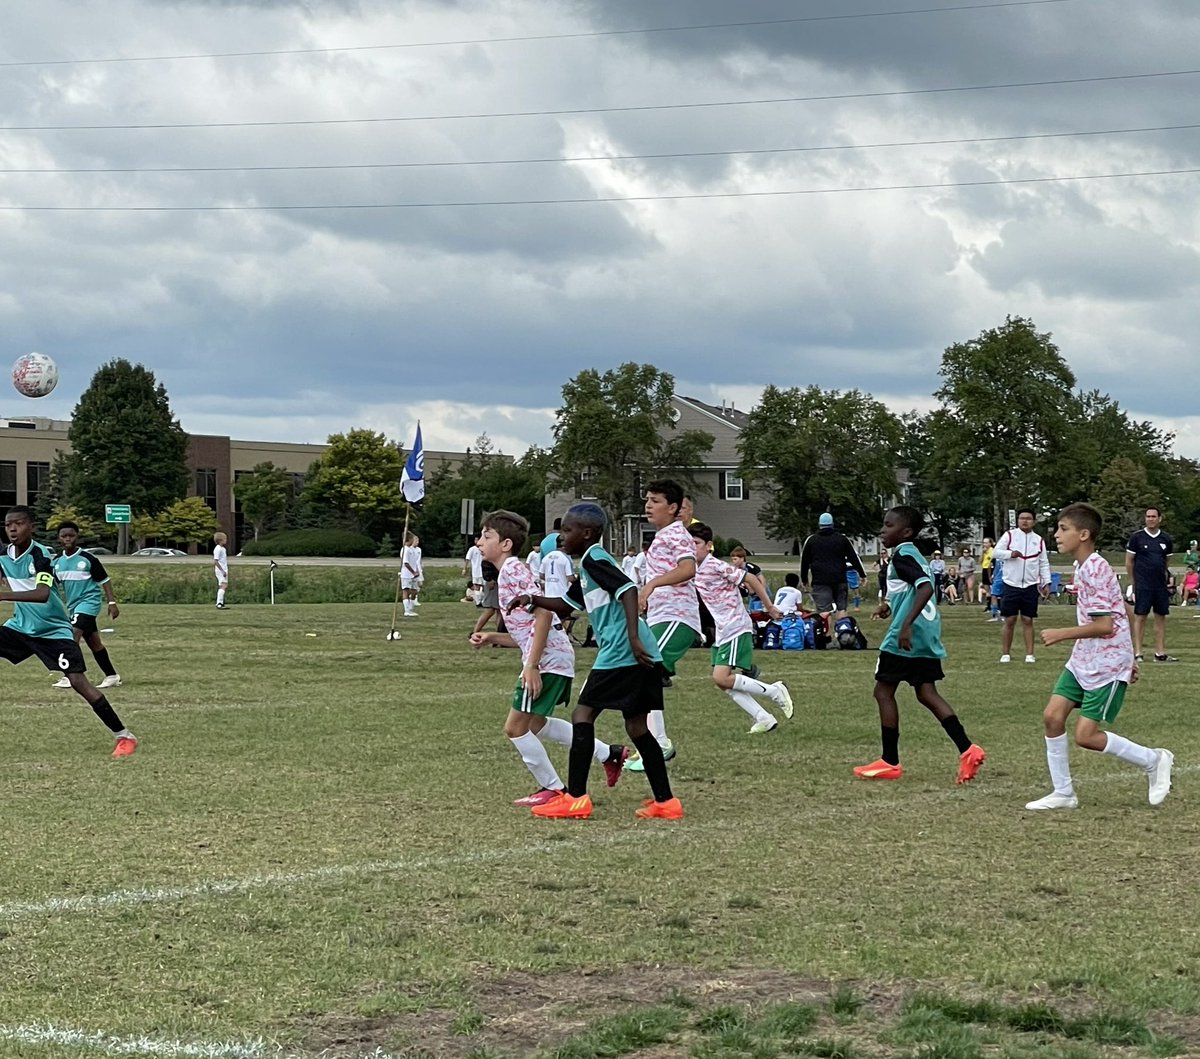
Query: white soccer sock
point(750, 686)
point(1059, 764)
point(1133, 753)
point(529, 746)
point(220, 596)
point(748, 703)
point(559, 731)
point(658, 727)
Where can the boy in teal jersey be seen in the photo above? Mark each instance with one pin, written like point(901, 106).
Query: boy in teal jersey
point(84, 578)
point(912, 651)
point(39, 625)
point(626, 675)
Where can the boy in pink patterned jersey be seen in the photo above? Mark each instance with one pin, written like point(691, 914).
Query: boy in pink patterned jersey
point(717, 584)
point(548, 663)
point(1100, 668)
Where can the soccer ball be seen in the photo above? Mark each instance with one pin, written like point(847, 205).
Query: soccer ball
point(34, 374)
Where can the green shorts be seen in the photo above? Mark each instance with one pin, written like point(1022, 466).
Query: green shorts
point(737, 654)
point(556, 691)
point(1101, 704)
point(674, 639)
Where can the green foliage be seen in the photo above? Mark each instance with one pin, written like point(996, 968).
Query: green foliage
point(387, 547)
point(60, 490)
point(188, 521)
point(359, 474)
point(128, 446)
point(143, 528)
point(335, 543)
point(1122, 495)
point(264, 494)
point(616, 431)
point(814, 450)
point(89, 528)
point(722, 546)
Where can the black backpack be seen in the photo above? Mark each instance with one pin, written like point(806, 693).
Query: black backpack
point(848, 635)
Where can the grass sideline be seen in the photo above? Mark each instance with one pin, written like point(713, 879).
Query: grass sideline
point(313, 849)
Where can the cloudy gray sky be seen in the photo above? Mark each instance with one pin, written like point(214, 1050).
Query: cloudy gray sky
point(740, 260)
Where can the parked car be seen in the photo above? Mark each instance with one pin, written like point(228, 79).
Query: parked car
point(159, 552)
point(99, 550)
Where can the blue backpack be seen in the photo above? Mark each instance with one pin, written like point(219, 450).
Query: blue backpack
point(848, 635)
point(795, 634)
point(772, 636)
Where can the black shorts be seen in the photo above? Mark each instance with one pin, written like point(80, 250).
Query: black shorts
point(1023, 601)
point(58, 656)
point(903, 669)
point(630, 689)
point(85, 623)
point(1147, 598)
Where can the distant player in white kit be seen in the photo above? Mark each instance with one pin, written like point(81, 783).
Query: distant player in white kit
point(410, 574)
point(220, 567)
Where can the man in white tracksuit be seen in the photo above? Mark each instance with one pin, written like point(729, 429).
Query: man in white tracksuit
point(1026, 577)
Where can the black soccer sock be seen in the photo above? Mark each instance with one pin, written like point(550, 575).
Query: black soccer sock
point(655, 766)
point(583, 746)
point(954, 730)
point(103, 709)
point(891, 744)
point(103, 661)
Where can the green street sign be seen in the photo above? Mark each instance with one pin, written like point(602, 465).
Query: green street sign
point(117, 513)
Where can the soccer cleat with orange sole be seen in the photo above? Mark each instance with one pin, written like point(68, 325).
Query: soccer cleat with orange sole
point(614, 767)
point(565, 807)
point(126, 745)
point(969, 762)
point(671, 809)
point(878, 770)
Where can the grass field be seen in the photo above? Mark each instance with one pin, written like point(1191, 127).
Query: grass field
point(313, 853)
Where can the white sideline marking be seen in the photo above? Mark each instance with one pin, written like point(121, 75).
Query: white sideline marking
point(225, 887)
point(150, 1046)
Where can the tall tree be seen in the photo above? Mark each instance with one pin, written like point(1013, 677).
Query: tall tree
point(264, 494)
point(360, 474)
point(128, 446)
point(1122, 495)
point(952, 501)
point(616, 431)
point(187, 521)
point(815, 450)
point(1009, 403)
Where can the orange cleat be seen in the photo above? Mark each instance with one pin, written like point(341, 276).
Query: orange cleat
point(671, 809)
point(969, 762)
point(126, 745)
point(879, 770)
point(565, 807)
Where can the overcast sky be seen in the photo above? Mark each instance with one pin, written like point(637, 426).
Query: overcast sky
point(290, 325)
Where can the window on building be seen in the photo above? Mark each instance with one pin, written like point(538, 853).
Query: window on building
point(732, 487)
point(37, 478)
point(206, 485)
point(586, 490)
point(8, 483)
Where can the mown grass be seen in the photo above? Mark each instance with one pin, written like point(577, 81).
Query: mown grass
point(794, 910)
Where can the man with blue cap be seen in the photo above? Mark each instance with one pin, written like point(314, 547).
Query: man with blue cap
point(825, 558)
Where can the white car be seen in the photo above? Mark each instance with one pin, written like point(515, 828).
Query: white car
point(159, 552)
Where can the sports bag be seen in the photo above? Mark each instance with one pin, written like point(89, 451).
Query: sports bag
point(848, 635)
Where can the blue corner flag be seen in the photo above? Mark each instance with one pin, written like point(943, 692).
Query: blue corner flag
point(412, 480)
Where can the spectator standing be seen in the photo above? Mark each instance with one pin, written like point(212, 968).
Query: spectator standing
point(937, 567)
point(986, 573)
point(966, 571)
point(1025, 578)
point(1148, 562)
point(824, 559)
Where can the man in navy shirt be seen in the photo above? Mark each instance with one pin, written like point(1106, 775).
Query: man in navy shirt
point(1147, 562)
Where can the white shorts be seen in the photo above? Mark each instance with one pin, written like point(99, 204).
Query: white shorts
point(407, 582)
point(222, 578)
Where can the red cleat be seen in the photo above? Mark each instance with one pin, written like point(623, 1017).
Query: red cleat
point(126, 745)
point(541, 797)
point(969, 762)
point(614, 765)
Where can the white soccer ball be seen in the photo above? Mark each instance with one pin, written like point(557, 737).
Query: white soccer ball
point(34, 374)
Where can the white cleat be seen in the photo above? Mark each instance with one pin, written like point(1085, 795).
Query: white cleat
point(1160, 777)
point(62, 682)
point(1054, 801)
point(759, 727)
point(1006, 658)
point(113, 681)
point(1030, 659)
point(783, 698)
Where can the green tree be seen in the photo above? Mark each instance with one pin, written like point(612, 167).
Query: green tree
point(360, 475)
point(188, 521)
point(1122, 494)
point(616, 431)
point(1009, 406)
point(951, 500)
point(142, 529)
point(264, 494)
point(814, 450)
point(60, 490)
point(128, 446)
point(89, 528)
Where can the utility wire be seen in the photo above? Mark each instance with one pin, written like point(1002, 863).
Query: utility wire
point(538, 36)
point(570, 159)
point(681, 197)
point(601, 110)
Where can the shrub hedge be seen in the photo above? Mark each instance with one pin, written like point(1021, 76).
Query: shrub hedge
point(335, 543)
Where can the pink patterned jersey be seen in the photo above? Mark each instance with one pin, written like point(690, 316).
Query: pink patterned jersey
point(516, 580)
point(717, 583)
point(1097, 662)
point(670, 546)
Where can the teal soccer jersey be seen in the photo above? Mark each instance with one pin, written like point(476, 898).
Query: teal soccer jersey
point(81, 575)
point(598, 590)
point(25, 572)
point(906, 571)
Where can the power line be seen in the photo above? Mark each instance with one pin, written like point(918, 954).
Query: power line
point(570, 159)
point(680, 197)
point(576, 111)
point(538, 36)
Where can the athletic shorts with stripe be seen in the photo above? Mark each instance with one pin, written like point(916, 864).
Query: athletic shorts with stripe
point(674, 640)
point(1100, 704)
point(556, 691)
point(737, 654)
